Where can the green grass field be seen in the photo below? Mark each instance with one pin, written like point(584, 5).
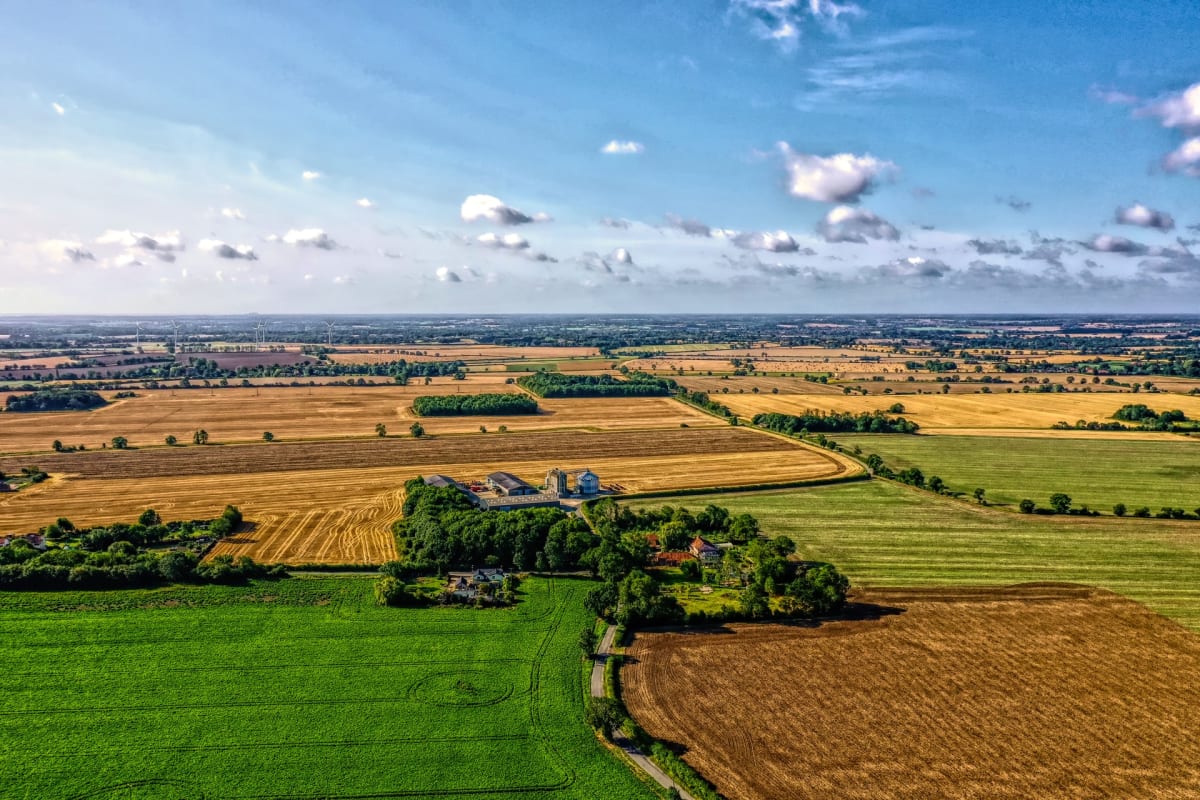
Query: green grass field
point(1098, 472)
point(296, 689)
point(884, 534)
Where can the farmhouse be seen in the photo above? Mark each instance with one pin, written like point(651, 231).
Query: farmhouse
point(704, 550)
point(466, 585)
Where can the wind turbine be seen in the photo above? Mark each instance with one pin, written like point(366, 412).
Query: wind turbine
point(259, 330)
point(329, 333)
point(175, 326)
point(137, 336)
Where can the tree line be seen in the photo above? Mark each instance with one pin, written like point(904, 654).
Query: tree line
point(126, 556)
point(558, 384)
point(492, 404)
point(834, 422)
point(55, 400)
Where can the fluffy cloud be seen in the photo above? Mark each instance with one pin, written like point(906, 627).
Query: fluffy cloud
point(484, 207)
point(692, 227)
point(232, 213)
point(509, 241)
point(846, 224)
point(163, 246)
point(1138, 214)
point(447, 275)
point(58, 109)
point(621, 256)
point(781, 21)
point(310, 175)
point(1049, 250)
point(623, 148)
point(1181, 110)
point(772, 242)
point(620, 223)
point(65, 250)
point(987, 247)
point(307, 237)
point(1105, 243)
point(363, 202)
point(1185, 158)
point(913, 267)
point(840, 178)
point(222, 250)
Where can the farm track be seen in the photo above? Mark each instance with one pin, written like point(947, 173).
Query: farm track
point(1037, 691)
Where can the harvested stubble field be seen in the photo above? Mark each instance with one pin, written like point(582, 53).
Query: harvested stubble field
point(1035, 691)
point(470, 353)
point(1097, 472)
point(882, 534)
point(323, 412)
point(300, 689)
point(342, 515)
point(955, 411)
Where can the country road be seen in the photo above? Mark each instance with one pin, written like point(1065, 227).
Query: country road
point(603, 651)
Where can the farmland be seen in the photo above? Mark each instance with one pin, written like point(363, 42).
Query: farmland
point(242, 414)
point(341, 513)
point(1037, 691)
point(301, 688)
point(950, 413)
point(1095, 472)
point(884, 535)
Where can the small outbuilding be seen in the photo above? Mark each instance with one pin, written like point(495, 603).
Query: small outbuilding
point(587, 482)
point(509, 485)
point(704, 550)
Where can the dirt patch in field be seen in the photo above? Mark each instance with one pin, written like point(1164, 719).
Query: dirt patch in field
point(1033, 691)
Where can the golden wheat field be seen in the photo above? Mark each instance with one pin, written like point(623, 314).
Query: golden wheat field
point(243, 414)
point(305, 513)
point(958, 411)
point(1035, 691)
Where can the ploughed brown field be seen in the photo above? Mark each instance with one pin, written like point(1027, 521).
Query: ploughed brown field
point(1034, 691)
point(334, 502)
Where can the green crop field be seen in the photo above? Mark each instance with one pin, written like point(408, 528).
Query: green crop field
point(1096, 472)
point(884, 534)
point(296, 689)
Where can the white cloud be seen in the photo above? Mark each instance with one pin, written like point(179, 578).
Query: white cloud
point(1105, 243)
point(840, 178)
point(692, 227)
point(1113, 96)
point(509, 241)
point(542, 216)
point(223, 250)
point(233, 213)
point(1181, 110)
point(619, 147)
point(1140, 215)
point(857, 225)
point(66, 250)
point(781, 21)
point(58, 109)
point(621, 256)
point(1185, 158)
point(126, 260)
point(363, 202)
point(487, 208)
point(447, 275)
point(310, 175)
point(308, 237)
point(164, 246)
point(773, 242)
point(342, 280)
point(911, 267)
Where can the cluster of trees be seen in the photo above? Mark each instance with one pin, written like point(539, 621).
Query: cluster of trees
point(28, 475)
point(834, 422)
point(1148, 419)
point(55, 400)
point(1084, 425)
point(1061, 503)
point(933, 365)
point(123, 556)
point(442, 530)
point(801, 588)
point(558, 384)
point(913, 476)
point(703, 401)
point(675, 527)
point(209, 369)
point(494, 404)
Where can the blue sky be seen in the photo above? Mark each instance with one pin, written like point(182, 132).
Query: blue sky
point(740, 155)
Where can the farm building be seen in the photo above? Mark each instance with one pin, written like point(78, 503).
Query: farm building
point(704, 550)
point(512, 502)
point(444, 481)
point(670, 558)
point(556, 482)
point(587, 482)
point(466, 585)
point(509, 485)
